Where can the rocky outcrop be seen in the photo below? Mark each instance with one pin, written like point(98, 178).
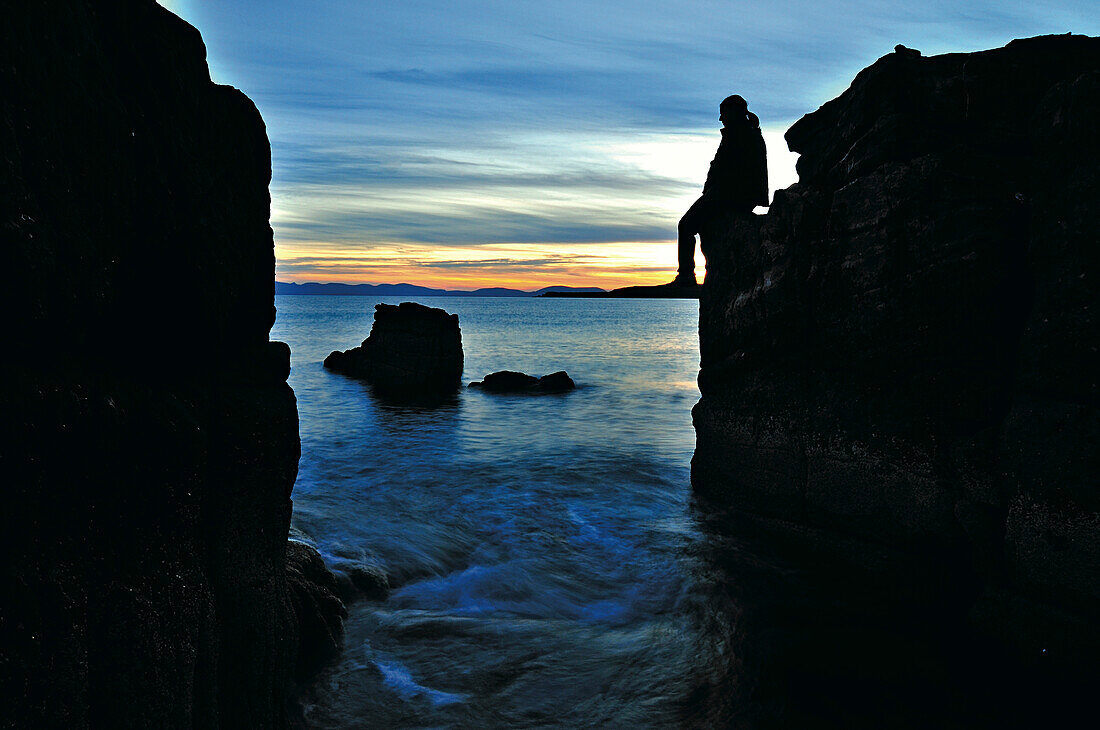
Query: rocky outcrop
point(509, 381)
point(411, 350)
point(899, 360)
point(152, 439)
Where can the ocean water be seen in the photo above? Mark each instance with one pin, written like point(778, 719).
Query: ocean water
point(550, 568)
point(543, 551)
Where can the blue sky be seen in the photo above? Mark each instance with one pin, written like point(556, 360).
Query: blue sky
point(464, 144)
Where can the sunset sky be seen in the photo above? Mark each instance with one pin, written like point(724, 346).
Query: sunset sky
point(514, 143)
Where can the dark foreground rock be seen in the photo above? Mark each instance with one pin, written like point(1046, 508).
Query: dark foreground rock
point(899, 362)
point(317, 606)
point(411, 349)
point(151, 439)
point(509, 381)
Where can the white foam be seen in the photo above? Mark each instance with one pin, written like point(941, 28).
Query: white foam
point(400, 680)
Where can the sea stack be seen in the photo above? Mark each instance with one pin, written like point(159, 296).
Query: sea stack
point(411, 350)
point(899, 360)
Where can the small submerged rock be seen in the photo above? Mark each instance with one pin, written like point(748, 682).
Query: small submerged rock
point(411, 349)
point(509, 381)
point(362, 581)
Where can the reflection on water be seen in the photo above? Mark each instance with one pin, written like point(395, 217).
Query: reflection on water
point(548, 565)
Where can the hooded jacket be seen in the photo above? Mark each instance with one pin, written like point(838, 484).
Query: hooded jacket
point(738, 176)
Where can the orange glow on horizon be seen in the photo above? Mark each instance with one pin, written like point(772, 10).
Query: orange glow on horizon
point(515, 266)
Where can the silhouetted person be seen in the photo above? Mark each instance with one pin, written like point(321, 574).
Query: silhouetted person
point(737, 180)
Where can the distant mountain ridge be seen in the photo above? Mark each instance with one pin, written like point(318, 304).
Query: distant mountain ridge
point(384, 290)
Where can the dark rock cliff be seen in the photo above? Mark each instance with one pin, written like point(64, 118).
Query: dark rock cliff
point(151, 440)
point(899, 361)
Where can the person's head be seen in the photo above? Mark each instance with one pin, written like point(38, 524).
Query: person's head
point(733, 109)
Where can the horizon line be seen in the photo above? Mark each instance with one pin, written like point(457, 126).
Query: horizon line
point(437, 288)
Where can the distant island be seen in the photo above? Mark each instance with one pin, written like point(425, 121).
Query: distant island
point(401, 290)
point(662, 291)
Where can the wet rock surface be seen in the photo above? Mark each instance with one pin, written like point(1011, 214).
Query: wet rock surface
point(509, 381)
point(359, 581)
point(411, 350)
point(898, 360)
point(153, 440)
point(314, 592)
